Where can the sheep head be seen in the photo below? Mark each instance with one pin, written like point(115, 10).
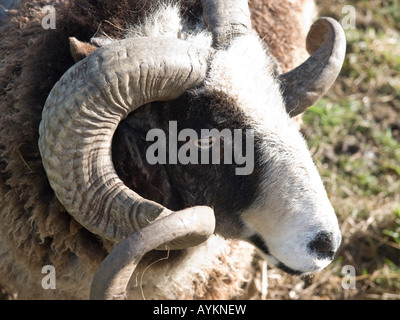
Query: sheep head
point(83, 111)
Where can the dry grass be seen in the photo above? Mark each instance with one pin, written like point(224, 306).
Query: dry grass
point(354, 134)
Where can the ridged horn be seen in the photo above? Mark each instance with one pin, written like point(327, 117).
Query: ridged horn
point(227, 20)
point(112, 277)
point(304, 85)
point(81, 114)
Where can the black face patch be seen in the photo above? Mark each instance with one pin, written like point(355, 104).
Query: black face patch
point(178, 186)
point(288, 270)
point(259, 243)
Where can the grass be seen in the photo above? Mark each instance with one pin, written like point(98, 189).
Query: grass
point(354, 135)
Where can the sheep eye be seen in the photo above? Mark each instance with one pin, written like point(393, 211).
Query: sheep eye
point(205, 142)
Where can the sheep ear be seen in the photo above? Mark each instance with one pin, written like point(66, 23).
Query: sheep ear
point(80, 50)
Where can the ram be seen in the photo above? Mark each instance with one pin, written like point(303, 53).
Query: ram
point(77, 189)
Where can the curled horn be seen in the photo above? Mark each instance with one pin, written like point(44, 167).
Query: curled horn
point(81, 114)
point(304, 85)
point(78, 122)
point(114, 273)
point(79, 119)
point(85, 107)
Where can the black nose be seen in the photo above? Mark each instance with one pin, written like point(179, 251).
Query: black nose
point(323, 244)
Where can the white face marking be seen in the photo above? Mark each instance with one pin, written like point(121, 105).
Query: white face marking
point(292, 211)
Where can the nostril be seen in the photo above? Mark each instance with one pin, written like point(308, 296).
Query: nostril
point(323, 245)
